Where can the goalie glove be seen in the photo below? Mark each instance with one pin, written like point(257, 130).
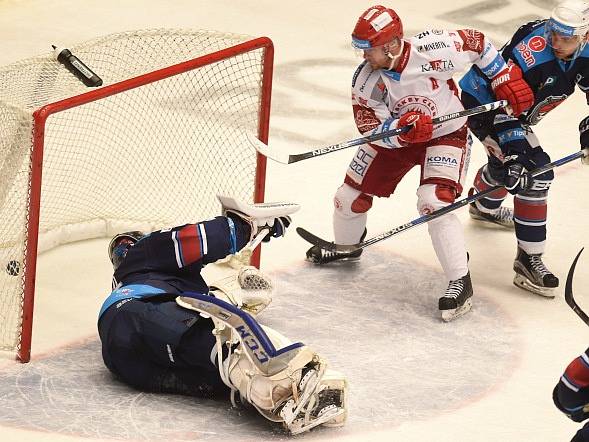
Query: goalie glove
point(271, 216)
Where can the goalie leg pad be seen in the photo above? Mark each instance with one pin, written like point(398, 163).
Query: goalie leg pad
point(289, 385)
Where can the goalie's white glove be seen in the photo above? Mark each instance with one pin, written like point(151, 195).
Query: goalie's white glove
point(271, 216)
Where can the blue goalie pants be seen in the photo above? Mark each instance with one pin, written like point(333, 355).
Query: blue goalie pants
point(157, 346)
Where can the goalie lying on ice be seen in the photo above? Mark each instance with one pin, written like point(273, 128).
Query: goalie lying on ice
point(164, 330)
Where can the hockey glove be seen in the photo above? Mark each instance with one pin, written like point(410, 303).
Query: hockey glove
point(509, 85)
point(516, 178)
point(421, 130)
point(278, 228)
point(584, 137)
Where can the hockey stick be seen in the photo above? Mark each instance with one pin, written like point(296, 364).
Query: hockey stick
point(288, 159)
point(332, 247)
point(568, 291)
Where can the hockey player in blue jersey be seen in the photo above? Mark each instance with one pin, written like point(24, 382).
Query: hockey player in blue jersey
point(164, 330)
point(553, 58)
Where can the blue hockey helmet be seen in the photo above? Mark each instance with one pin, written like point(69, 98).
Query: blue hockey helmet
point(119, 246)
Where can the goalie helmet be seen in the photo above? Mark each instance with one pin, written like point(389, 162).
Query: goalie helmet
point(119, 246)
point(376, 26)
point(569, 19)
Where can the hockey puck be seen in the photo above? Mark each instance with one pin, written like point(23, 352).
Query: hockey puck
point(13, 268)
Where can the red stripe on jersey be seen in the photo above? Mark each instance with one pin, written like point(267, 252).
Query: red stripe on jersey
point(530, 210)
point(480, 186)
point(404, 58)
point(473, 40)
point(189, 241)
point(578, 373)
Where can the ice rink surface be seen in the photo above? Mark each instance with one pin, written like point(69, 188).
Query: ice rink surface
point(485, 377)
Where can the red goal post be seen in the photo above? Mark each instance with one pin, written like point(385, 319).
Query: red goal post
point(149, 149)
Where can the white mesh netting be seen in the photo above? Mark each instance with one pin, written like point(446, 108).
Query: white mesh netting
point(146, 158)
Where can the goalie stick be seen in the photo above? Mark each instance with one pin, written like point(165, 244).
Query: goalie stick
point(568, 291)
point(341, 248)
point(293, 158)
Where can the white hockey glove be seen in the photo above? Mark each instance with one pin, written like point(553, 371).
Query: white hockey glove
point(273, 217)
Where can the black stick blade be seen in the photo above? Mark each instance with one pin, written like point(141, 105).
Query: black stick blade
point(568, 291)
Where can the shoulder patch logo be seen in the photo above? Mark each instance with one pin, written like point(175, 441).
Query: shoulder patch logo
point(537, 44)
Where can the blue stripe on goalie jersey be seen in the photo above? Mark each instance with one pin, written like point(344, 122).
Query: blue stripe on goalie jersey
point(232, 236)
point(129, 291)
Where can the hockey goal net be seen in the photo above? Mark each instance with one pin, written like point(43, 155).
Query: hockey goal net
point(150, 148)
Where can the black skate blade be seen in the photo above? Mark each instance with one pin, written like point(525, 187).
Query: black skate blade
point(326, 245)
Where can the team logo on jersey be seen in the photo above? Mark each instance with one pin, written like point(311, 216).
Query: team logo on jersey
point(438, 66)
point(526, 54)
point(365, 118)
point(437, 32)
point(537, 44)
point(432, 46)
point(535, 114)
point(416, 103)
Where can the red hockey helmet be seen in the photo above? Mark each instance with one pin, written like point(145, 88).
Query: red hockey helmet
point(376, 26)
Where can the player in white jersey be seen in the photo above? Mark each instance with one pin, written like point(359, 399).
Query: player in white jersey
point(407, 82)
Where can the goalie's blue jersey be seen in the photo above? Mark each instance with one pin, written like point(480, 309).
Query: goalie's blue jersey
point(168, 263)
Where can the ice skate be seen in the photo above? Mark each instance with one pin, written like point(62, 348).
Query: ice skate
point(457, 299)
point(531, 274)
point(503, 216)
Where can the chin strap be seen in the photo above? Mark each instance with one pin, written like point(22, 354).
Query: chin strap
point(394, 58)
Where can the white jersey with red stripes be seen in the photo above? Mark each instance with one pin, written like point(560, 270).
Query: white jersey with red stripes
point(422, 81)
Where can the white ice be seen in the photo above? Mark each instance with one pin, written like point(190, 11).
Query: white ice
point(536, 337)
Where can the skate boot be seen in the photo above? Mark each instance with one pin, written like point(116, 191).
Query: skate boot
point(531, 274)
point(503, 216)
point(317, 255)
point(457, 299)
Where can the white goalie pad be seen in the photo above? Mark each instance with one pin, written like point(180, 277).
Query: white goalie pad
point(286, 382)
point(256, 344)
